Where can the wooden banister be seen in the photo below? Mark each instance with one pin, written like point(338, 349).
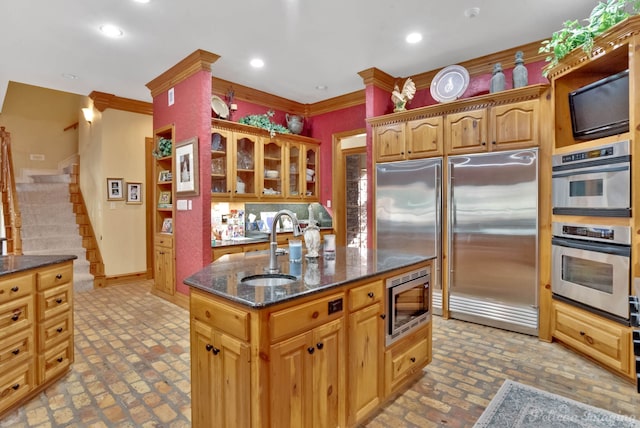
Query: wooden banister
point(10, 208)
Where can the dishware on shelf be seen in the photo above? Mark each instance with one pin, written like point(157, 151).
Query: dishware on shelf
point(271, 173)
point(219, 107)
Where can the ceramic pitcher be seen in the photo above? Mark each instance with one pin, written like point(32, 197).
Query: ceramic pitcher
point(294, 123)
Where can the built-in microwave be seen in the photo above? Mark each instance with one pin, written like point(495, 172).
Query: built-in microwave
point(409, 303)
point(593, 182)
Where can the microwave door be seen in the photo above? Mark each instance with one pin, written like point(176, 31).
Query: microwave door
point(592, 188)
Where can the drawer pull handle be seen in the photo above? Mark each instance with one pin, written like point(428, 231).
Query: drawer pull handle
point(311, 349)
point(370, 294)
point(59, 329)
point(58, 300)
point(582, 333)
point(60, 359)
point(59, 276)
point(15, 351)
point(413, 359)
point(320, 345)
point(15, 288)
point(16, 316)
point(15, 387)
point(208, 347)
point(216, 351)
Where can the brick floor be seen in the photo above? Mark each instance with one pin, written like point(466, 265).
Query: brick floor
point(132, 370)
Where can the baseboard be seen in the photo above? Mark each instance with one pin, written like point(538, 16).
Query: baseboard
point(120, 279)
point(177, 299)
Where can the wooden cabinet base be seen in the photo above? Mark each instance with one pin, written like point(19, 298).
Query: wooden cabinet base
point(20, 387)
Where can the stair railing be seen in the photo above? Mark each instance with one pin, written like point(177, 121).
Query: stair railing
point(10, 208)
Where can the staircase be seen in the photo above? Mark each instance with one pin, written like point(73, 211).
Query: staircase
point(49, 224)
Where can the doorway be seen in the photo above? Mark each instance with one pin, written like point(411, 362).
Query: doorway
point(350, 188)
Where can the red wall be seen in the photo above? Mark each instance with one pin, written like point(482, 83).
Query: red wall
point(191, 116)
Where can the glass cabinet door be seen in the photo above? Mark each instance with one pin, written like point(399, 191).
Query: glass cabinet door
point(220, 184)
point(296, 166)
point(245, 178)
point(272, 171)
point(312, 168)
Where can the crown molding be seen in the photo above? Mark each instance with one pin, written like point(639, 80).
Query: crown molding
point(199, 60)
point(337, 103)
point(255, 96)
point(378, 78)
point(103, 101)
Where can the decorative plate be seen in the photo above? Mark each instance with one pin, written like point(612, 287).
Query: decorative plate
point(449, 83)
point(219, 107)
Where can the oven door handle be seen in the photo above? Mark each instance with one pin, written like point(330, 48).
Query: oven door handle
point(584, 171)
point(617, 250)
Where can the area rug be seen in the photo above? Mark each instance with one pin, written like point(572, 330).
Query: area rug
point(521, 406)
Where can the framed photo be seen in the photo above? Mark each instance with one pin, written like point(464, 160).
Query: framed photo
point(115, 192)
point(167, 225)
point(164, 176)
point(164, 199)
point(134, 193)
point(186, 167)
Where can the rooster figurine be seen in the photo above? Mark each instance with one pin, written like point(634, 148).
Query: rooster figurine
point(400, 99)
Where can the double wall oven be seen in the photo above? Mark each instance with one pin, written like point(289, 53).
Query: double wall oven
point(591, 252)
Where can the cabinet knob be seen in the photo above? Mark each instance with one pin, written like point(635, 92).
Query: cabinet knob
point(483, 143)
point(216, 351)
point(15, 351)
point(383, 316)
point(320, 345)
point(15, 288)
point(582, 333)
point(15, 387)
point(413, 359)
point(208, 347)
point(59, 329)
point(60, 359)
point(59, 276)
point(311, 350)
point(409, 151)
point(401, 153)
point(370, 294)
point(16, 316)
point(58, 301)
point(493, 142)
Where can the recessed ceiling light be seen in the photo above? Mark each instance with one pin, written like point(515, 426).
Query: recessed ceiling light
point(322, 87)
point(472, 12)
point(111, 30)
point(257, 63)
point(69, 76)
point(413, 38)
point(142, 1)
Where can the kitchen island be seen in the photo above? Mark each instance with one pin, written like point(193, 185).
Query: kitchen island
point(36, 325)
point(310, 353)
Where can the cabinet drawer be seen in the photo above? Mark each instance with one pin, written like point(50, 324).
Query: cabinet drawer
point(55, 276)
point(54, 301)
point(16, 286)
point(54, 330)
point(165, 241)
point(55, 361)
point(15, 385)
point(408, 357)
point(362, 296)
point(15, 349)
point(16, 315)
point(225, 318)
point(306, 316)
point(600, 339)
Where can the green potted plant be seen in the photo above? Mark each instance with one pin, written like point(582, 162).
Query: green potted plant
point(264, 121)
point(573, 34)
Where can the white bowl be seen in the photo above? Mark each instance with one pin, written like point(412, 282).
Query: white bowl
point(271, 173)
point(310, 171)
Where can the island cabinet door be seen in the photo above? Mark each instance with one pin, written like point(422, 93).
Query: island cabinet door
point(365, 361)
point(307, 379)
point(220, 379)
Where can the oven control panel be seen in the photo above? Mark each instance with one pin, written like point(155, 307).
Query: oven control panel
point(591, 232)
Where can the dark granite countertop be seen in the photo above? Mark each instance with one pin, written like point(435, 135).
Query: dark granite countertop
point(223, 276)
point(13, 264)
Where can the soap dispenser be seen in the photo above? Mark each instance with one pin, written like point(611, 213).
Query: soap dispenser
point(312, 236)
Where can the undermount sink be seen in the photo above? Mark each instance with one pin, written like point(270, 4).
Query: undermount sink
point(268, 279)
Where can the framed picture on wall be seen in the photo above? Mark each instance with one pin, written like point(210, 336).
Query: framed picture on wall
point(115, 191)
point(134, 193)
point(186, 167)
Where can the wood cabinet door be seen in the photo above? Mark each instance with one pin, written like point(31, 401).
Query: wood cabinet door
point(514, 125)
point(221, 163)
point(329, 375)
point(366, 330)
point(295, 171)
point(291, 382)
point(203, 377)
point(466, 132)
point(244, 174)
point(389, 142)
point(272, 171)
point(311, 172)
point(424, 137)
point(163, 266)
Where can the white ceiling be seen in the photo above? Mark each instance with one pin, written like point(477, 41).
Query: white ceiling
point(304, 43)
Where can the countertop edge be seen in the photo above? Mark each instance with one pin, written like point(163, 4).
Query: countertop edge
point(24, 263)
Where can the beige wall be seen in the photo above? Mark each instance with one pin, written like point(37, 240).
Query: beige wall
point(113, 147)
point(36, 118)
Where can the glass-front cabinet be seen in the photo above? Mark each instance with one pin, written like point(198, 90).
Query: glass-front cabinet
point(296, 170)
point(246, 176)
point(220, 162)
point(273, 177)
point(312, 169)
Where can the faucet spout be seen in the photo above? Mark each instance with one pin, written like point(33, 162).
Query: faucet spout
point(273, 244)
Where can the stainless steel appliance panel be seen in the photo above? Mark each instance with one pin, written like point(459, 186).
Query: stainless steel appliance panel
point(408, 212)
point(493, 241)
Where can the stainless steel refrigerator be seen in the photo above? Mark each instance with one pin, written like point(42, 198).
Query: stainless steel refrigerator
point(408, 212)
point(492, 226)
